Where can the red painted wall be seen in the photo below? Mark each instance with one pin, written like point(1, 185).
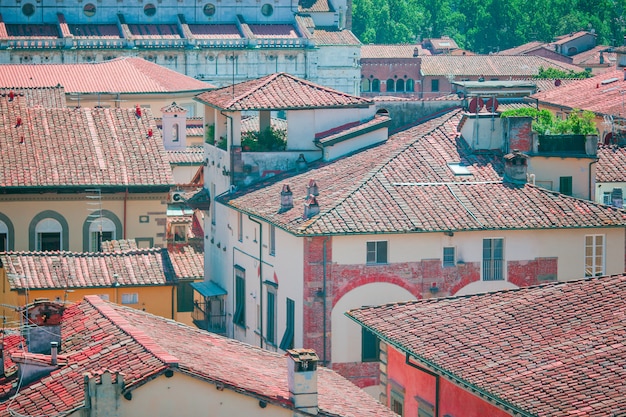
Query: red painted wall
point(416, 277)
point(416, 384)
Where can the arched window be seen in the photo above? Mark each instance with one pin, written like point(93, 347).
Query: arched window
point(100, 230)
point(4, 237)
point(376, 85)
point(365, 85)
point(175, 132)
point(400, 85)
point(48, 235)
point(390, 85)
point(410, 85)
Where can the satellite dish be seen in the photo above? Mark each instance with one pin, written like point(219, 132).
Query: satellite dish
point(492, 104)
point(476, 104)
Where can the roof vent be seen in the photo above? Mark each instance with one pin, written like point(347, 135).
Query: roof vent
point(312, 188)
point(137, 111)
point(11, 95)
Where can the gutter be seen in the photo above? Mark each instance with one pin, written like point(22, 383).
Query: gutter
point(260, 278)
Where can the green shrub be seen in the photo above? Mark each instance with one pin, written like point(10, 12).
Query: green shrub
point(270, 139)
point(209, 134)
point(545, 123)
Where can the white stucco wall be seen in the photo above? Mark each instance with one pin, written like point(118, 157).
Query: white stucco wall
point(607, 187)
point(549, 170)
point(346, 334)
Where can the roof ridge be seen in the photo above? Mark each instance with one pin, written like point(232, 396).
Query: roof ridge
point(152, 346)
point(265, 81)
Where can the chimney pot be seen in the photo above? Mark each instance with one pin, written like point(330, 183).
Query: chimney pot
point(312, 188)
point(286, 198)
point(302, 379)
point(53, 352)
point(311, 207)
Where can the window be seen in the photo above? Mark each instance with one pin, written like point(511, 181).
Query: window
point(390, 85)
point(396, 402)
point(184, 297)
point(100, 230)
point(434, 85)
point(179, 232)
point(239, 318)
point(400, 85)
point(267, 10)
point(28, 9)
point(565, 185)
point(449, 258)
point(365, 85)
point(144, 242)
point(606, 198)
point(425, 409)
point(175, 137)
point(149, 10)
point(410, 85)
point(493, 259)
point(377, 252)
point(272, 240)
point(4, 237)
point(376, 85)
point(240, 227)
point(212, 207)
point(594, 255)
point(130, 298)
point(287, 341)
point(370, 346)
point(104, 297)
point(209, 9)
point(48, 235)
point(270, 335)
point(89, 10)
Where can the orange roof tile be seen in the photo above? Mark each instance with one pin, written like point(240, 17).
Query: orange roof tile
point(392, 51)
point(121, 75)
point(98, 335)
point(187, 262)
point(278, 91)
point(550, 350)
point(334, 36)
point(62, 147)
point(489, 65)
point(406, 185)
point(46, 270)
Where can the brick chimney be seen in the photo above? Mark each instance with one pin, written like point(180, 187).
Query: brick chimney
point(515, 167)
point(311, 207)
point(312, 188)
point(286, 199)
point(302, 379)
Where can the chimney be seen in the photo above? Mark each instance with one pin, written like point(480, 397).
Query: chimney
point(103, 393)
point(515, 167)
point(286, 199)
point(416, 52)
point(302, 378)
point(311, 208)
point(312, 188)
point(54, 350)
point(174, 128)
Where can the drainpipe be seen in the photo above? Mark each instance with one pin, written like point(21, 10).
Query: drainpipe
point(125, 202)
point(591, 190)
point(260, 277)
point(229, 149)
point(431, 373)
point(324, 361)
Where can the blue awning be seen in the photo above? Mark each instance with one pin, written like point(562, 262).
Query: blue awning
point(208, 288)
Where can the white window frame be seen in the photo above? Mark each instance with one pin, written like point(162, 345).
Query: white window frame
point(102, 224)
point(372, 252)
point(130, 298)
point(493, 261)
point(448, 263)
point(595, 255)
point(48, 225)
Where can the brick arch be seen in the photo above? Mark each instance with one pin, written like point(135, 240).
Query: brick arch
point(371, 279)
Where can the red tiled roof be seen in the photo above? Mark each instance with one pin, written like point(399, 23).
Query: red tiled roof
point(187, 262)
point(64, 147)
point(592, 56)
point(119, 245)
point(98, 335)
point(44, 270)
point(51, 97)
point(391, 51)
point(570, 37)
point(406, 185)
point(443, 43)
point(278, 91)
point(95, 31)
point(32, 31)
point(191, 155)
point(489, 65)
point(121, 75)
point(522, 49)
point(215, 31)
point(273, 31)
point(601, 94)
point(315, 6)
point(334, 36)
point(611, 163)
point(550, 350)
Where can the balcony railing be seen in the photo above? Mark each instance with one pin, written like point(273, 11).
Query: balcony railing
point(203, 319)
point(493, 270)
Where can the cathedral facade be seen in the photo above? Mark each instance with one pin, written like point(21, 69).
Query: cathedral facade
point(219, 41)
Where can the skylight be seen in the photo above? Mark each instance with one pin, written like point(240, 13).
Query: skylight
point(459, 169)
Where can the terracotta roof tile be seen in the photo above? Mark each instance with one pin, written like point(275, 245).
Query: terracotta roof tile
point(489, 65)
point(121, 75)
point(98, 335)
point(545, 349)
point(522, 49)
point(188, 263)
point(191, 155)
point(95, 31)
point(601, 94)
point(81, 147)
point(392, 51)
point(278, 91)
point(315, 6)
point(406, 185)
point(52, 97)
point(611, 163)
point(32, 31)
point(333, 36)
point(42, 270)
